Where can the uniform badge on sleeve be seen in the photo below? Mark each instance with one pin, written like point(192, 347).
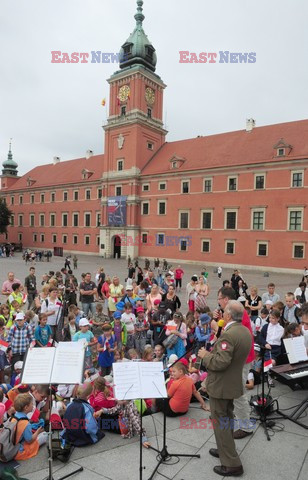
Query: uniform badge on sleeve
point(224, 346)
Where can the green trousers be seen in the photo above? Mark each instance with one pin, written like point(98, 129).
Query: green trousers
point(222, 417)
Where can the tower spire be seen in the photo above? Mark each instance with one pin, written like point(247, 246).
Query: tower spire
point(10, 155)
point(139, 17)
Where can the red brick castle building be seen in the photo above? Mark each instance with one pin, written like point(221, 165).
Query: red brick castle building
point(237, 198)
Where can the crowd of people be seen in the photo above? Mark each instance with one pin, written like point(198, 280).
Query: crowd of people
point(139, 318)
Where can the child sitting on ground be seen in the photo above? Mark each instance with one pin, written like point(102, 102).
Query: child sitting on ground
point(101, 396)
point(128, 413)
point(179, 393)
point(29, 443)
point(81, 428)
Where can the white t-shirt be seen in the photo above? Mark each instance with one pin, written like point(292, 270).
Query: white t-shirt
point(274, 334)
point(130, 320)
point(52, 306)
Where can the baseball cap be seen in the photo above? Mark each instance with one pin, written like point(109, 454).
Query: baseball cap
point(140, 309)
point(18, 365)
point(120, 305)
point(205, 318)
point(83, 322)
point(20, 316)
point(129, 287)
point(117, 314)
point(162, 305)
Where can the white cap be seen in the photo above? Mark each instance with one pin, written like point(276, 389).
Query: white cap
point(109, 379)
point(20, 316)
point(129, 287)
point(83, 322)
point(172, 359)
point(269, 302)
point(18, 365)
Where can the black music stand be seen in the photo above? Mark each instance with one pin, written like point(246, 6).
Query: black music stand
point(163, 454)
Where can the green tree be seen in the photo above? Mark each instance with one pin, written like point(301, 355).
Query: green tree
point(5, 215)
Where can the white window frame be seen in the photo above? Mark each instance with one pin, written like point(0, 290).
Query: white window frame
point(84, 219)
point(74, 192)
point(118, 163)
point(281, 154)
point(182, 183)
point(51, 194)
point(229, 178)
point(52, 214)
point(295, 209)
point(144, 203)
point(98, 215)
point(179, 225)
point(183, 240)
point(298, 244)
point(62, 216)
point(20, 217)
point(297, 171)
point(206, 210)
point(255, 210)
point(209, 242)
point(63, 195)
point(42, 196)
point(86, 193)
point(42, 215)
point(261, 174)
point(63, 237)
point(162, 189)
point(208, 179)
point(32, 197)
point(115, 190)
point(231, 210)
point(34, 238)
point(21, 199)
point(229, 241)
point(145, 185)
point(158, 203)
point(150, 145)
point(260, 242)
point(99, 193)
point(32, 215)
point(73, 214)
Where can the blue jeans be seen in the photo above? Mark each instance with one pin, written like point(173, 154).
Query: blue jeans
point(85, 307)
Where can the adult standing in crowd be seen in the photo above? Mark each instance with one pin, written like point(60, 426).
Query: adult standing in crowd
point(116, 292)
point(254, 302)
point(171, 300)
point(179, 273)
point(30, 287)
point(224, 383)
point(270, 294)
point(301, 293)
point(191, 292)
point(88, 294)
point(52, 306)
point(241, 404)
point(7, 284)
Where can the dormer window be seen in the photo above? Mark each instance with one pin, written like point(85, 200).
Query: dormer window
point(281, 152)
point(86, 174)
point(149, 50)
point(127, 52)
point(176, 162)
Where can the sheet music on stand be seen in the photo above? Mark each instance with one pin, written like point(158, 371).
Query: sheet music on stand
point(63, 364)
point(134, 380)
point(296, 350)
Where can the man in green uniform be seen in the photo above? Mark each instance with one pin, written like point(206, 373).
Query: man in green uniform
point(224, 383)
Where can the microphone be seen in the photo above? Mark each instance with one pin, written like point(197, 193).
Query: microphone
point(221, 324)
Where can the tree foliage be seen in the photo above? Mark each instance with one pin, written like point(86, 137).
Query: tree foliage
point(5, 215)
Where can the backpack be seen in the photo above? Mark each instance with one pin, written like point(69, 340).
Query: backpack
point(8, 446)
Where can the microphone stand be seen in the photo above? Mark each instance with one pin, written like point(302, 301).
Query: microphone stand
point(163, 454)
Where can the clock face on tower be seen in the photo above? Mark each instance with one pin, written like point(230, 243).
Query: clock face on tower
point(149, 95)
point(124, 93)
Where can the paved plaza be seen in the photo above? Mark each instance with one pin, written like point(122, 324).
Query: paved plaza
point(285, 457)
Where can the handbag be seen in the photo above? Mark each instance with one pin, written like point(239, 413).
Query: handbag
point(171, 340)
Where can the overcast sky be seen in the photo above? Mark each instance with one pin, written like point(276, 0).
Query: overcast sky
point(55, 109)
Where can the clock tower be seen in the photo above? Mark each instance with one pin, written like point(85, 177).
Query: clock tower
point(134, 132)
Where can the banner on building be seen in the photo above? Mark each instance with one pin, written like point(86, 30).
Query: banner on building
point(116, 211)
